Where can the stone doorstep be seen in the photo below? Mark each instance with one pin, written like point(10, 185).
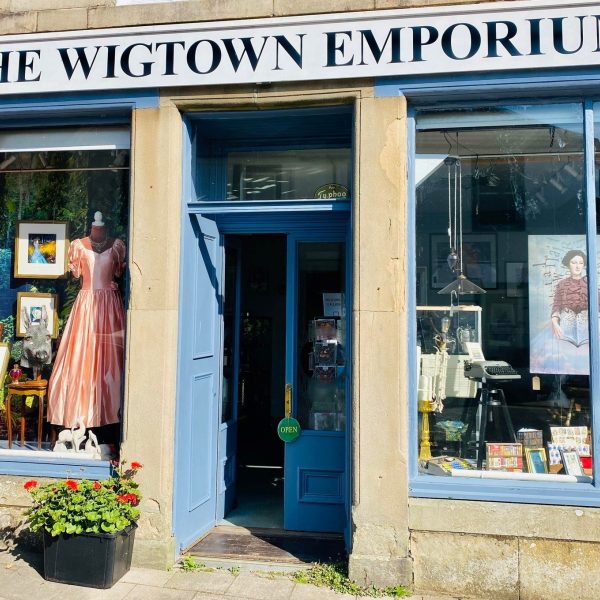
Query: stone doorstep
point(251, 566)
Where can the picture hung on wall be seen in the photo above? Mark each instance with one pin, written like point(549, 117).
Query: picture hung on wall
point(4, 358)
point(479, 258)
point(516, 279)
point(33, 305)
point(558, 304)
point(41, 249)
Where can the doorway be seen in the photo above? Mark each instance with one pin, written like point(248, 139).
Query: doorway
point(284, 355)
point(265, 276)
point(254, 375)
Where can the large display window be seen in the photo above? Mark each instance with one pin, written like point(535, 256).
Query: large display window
point(63, 232)
point(502, 317)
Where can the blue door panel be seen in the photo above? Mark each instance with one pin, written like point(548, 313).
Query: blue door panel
point(315, 486)
point(315, 483)
point(198, 381)
point(200, 436)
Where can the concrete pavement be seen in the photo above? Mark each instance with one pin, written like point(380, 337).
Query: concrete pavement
point(20, 579)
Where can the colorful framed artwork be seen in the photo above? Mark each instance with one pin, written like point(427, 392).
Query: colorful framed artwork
point(34, 305)
point(571, 462)
point(479, 258)
point(41, 249)
point(4, 358)
point(516, 279)
point(536, 460)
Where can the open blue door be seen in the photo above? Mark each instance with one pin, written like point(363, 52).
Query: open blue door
point(315, 490)
point(199, 380)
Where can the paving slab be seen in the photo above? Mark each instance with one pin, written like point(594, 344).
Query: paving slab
point(15, 587)
point(304, 591)
point(216, 582)
point(152, 577)
point(146, 592)
point(209, 596)
point(60, 591)
point(261, 588)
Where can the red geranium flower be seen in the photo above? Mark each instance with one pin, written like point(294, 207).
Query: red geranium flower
point(71, 484)
point(136, 465)
point(131, 498)
point(30, 484)
point(97, 485)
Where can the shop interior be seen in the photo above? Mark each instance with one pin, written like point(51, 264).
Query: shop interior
point(261, 260)
point(500, 236)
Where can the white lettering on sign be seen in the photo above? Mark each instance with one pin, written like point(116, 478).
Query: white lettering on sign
point(474, 38)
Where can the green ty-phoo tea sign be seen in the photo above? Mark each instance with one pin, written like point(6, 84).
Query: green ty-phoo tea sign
point(288, 429)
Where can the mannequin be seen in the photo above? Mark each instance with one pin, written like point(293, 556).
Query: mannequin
point(85, 384)
point(99, 240)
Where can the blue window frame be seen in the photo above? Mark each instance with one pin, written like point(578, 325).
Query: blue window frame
point(55, 111)
point(488, 91)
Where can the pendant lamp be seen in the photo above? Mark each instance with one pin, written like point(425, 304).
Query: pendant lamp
point(461, 285)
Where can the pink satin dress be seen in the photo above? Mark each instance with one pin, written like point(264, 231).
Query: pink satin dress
point(88, 370)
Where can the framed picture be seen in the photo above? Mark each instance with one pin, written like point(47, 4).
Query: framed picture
point(41, 249)
point(536, 460)
point(571, 462)
point(422, 285)
point(479, 258)
point(34, 305)
point(516, 279)
point(4, 358)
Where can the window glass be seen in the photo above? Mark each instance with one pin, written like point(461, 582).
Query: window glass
point(63, 233)
point(289, 175)
point(321, 377)
point(502, 293)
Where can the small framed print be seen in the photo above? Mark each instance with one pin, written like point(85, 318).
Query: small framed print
point(34, 306)
point(571, 462)
point(4, 358)
point(536, 460)
point(41, 249)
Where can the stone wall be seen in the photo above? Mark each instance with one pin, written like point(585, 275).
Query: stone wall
point(498, 551)
point(28, 16)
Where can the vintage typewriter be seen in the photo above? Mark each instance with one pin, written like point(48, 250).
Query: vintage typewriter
point(489, 369)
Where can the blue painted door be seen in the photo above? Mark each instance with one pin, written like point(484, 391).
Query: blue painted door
point(317, 367)
point(199, 380)
point(227, 448)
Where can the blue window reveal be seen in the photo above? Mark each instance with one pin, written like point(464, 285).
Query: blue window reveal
point(508, 184)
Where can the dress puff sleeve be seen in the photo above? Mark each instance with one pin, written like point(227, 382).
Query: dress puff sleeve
point(75, 258)
point(118, 251)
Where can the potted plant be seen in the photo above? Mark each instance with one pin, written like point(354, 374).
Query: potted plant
point(88, 526)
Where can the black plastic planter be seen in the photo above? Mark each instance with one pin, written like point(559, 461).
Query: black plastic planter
point(95, 560)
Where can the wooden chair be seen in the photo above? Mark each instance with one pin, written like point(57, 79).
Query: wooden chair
point(37, 387)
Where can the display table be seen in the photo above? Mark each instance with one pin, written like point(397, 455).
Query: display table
point(36, 387)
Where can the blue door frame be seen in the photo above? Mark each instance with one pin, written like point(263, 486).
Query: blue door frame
point(199, 457)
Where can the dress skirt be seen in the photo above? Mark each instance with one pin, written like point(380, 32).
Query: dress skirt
point(87, 375)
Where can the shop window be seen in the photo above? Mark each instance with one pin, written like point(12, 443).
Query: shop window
point(502, 294)
point(63, 233)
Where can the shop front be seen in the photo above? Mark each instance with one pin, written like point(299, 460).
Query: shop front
point(324, 275)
